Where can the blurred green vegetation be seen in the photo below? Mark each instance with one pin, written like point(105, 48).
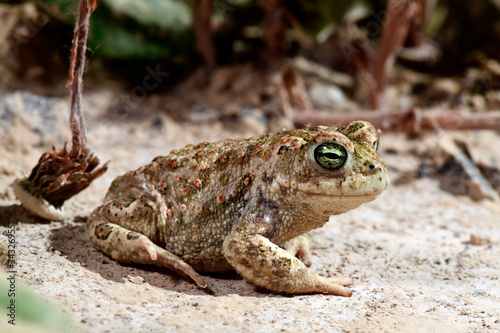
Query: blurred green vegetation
point(31, 312)
point(163, 29)
point(124, 29)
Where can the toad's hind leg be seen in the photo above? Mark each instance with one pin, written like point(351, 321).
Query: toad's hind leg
point(126, 237)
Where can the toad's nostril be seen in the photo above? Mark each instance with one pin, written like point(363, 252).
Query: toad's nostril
point(372, 166)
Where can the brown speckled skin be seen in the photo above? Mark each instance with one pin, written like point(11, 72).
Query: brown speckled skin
point(240, 204)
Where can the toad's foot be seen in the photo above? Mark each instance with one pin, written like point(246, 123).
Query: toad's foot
point(334, 286)
point(132, 247)
point(260, 261)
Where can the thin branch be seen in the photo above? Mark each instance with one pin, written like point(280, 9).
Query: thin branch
point(398, 19)
point(362, 60)
point(410, 121)
point(202, 13)
point(275, 29)
point(337, 78)
point(293, 93)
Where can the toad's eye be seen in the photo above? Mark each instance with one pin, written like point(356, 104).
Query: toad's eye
point(330, 156)
point(376, 144)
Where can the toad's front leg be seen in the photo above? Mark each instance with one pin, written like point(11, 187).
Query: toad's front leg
point(267, 265)
point(125, 229)
point(299, 247)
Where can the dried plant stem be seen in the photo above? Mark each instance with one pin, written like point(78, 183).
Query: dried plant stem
point(398, 19)
point(410, 121)
point(274, 34)
point(293, 92)
point(75, 77)
point(60, 175)
point(400, 16)
point(361, 61)
point(202, 12)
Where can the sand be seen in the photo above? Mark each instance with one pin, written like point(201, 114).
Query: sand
point(409, 251)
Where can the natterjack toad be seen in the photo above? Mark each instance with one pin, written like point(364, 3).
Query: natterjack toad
point(242, 204)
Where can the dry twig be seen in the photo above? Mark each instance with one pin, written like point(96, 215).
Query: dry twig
point(410, 121)
point(362, 60)
point(398, 18)
point(60, 175)
point(293, 92)
point(275, 30)
point(327, 74)
point(202, 12)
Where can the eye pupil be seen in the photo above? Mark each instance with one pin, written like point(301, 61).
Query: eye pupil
point(330, 156)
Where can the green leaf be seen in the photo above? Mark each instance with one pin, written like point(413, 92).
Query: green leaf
point(173, 15)
point(31, 310)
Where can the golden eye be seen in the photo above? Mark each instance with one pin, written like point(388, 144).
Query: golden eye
point(330, 156)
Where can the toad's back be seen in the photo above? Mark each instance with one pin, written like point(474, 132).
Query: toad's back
point(204, 190)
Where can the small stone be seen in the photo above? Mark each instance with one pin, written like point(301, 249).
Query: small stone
point(476, 102)
point(493, 99)
point(480, 292)
point(254, 119)
point(487, 159)
point(43, 121)
point(4, 258)
point(136, 279)
point(459, 175)
point(479, 240)
point(203, 115)
point(442, 90)
point(326, 95)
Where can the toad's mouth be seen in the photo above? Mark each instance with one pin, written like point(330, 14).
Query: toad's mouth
point(340, 190)
point(331, 195)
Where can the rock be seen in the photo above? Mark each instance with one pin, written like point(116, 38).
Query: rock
point(442, 90)
point(486, 159)
point(479, 240)
point(493, 98)
point(427, 52)
point(4, 257)
point(456, 171)
point(326, 95)
point(476, 102)
point(462, 176)
point(202, 115)
point(136, 279)
point(254, 120)
point(31, 120)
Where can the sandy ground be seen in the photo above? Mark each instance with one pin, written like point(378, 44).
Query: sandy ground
point(409, 252)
